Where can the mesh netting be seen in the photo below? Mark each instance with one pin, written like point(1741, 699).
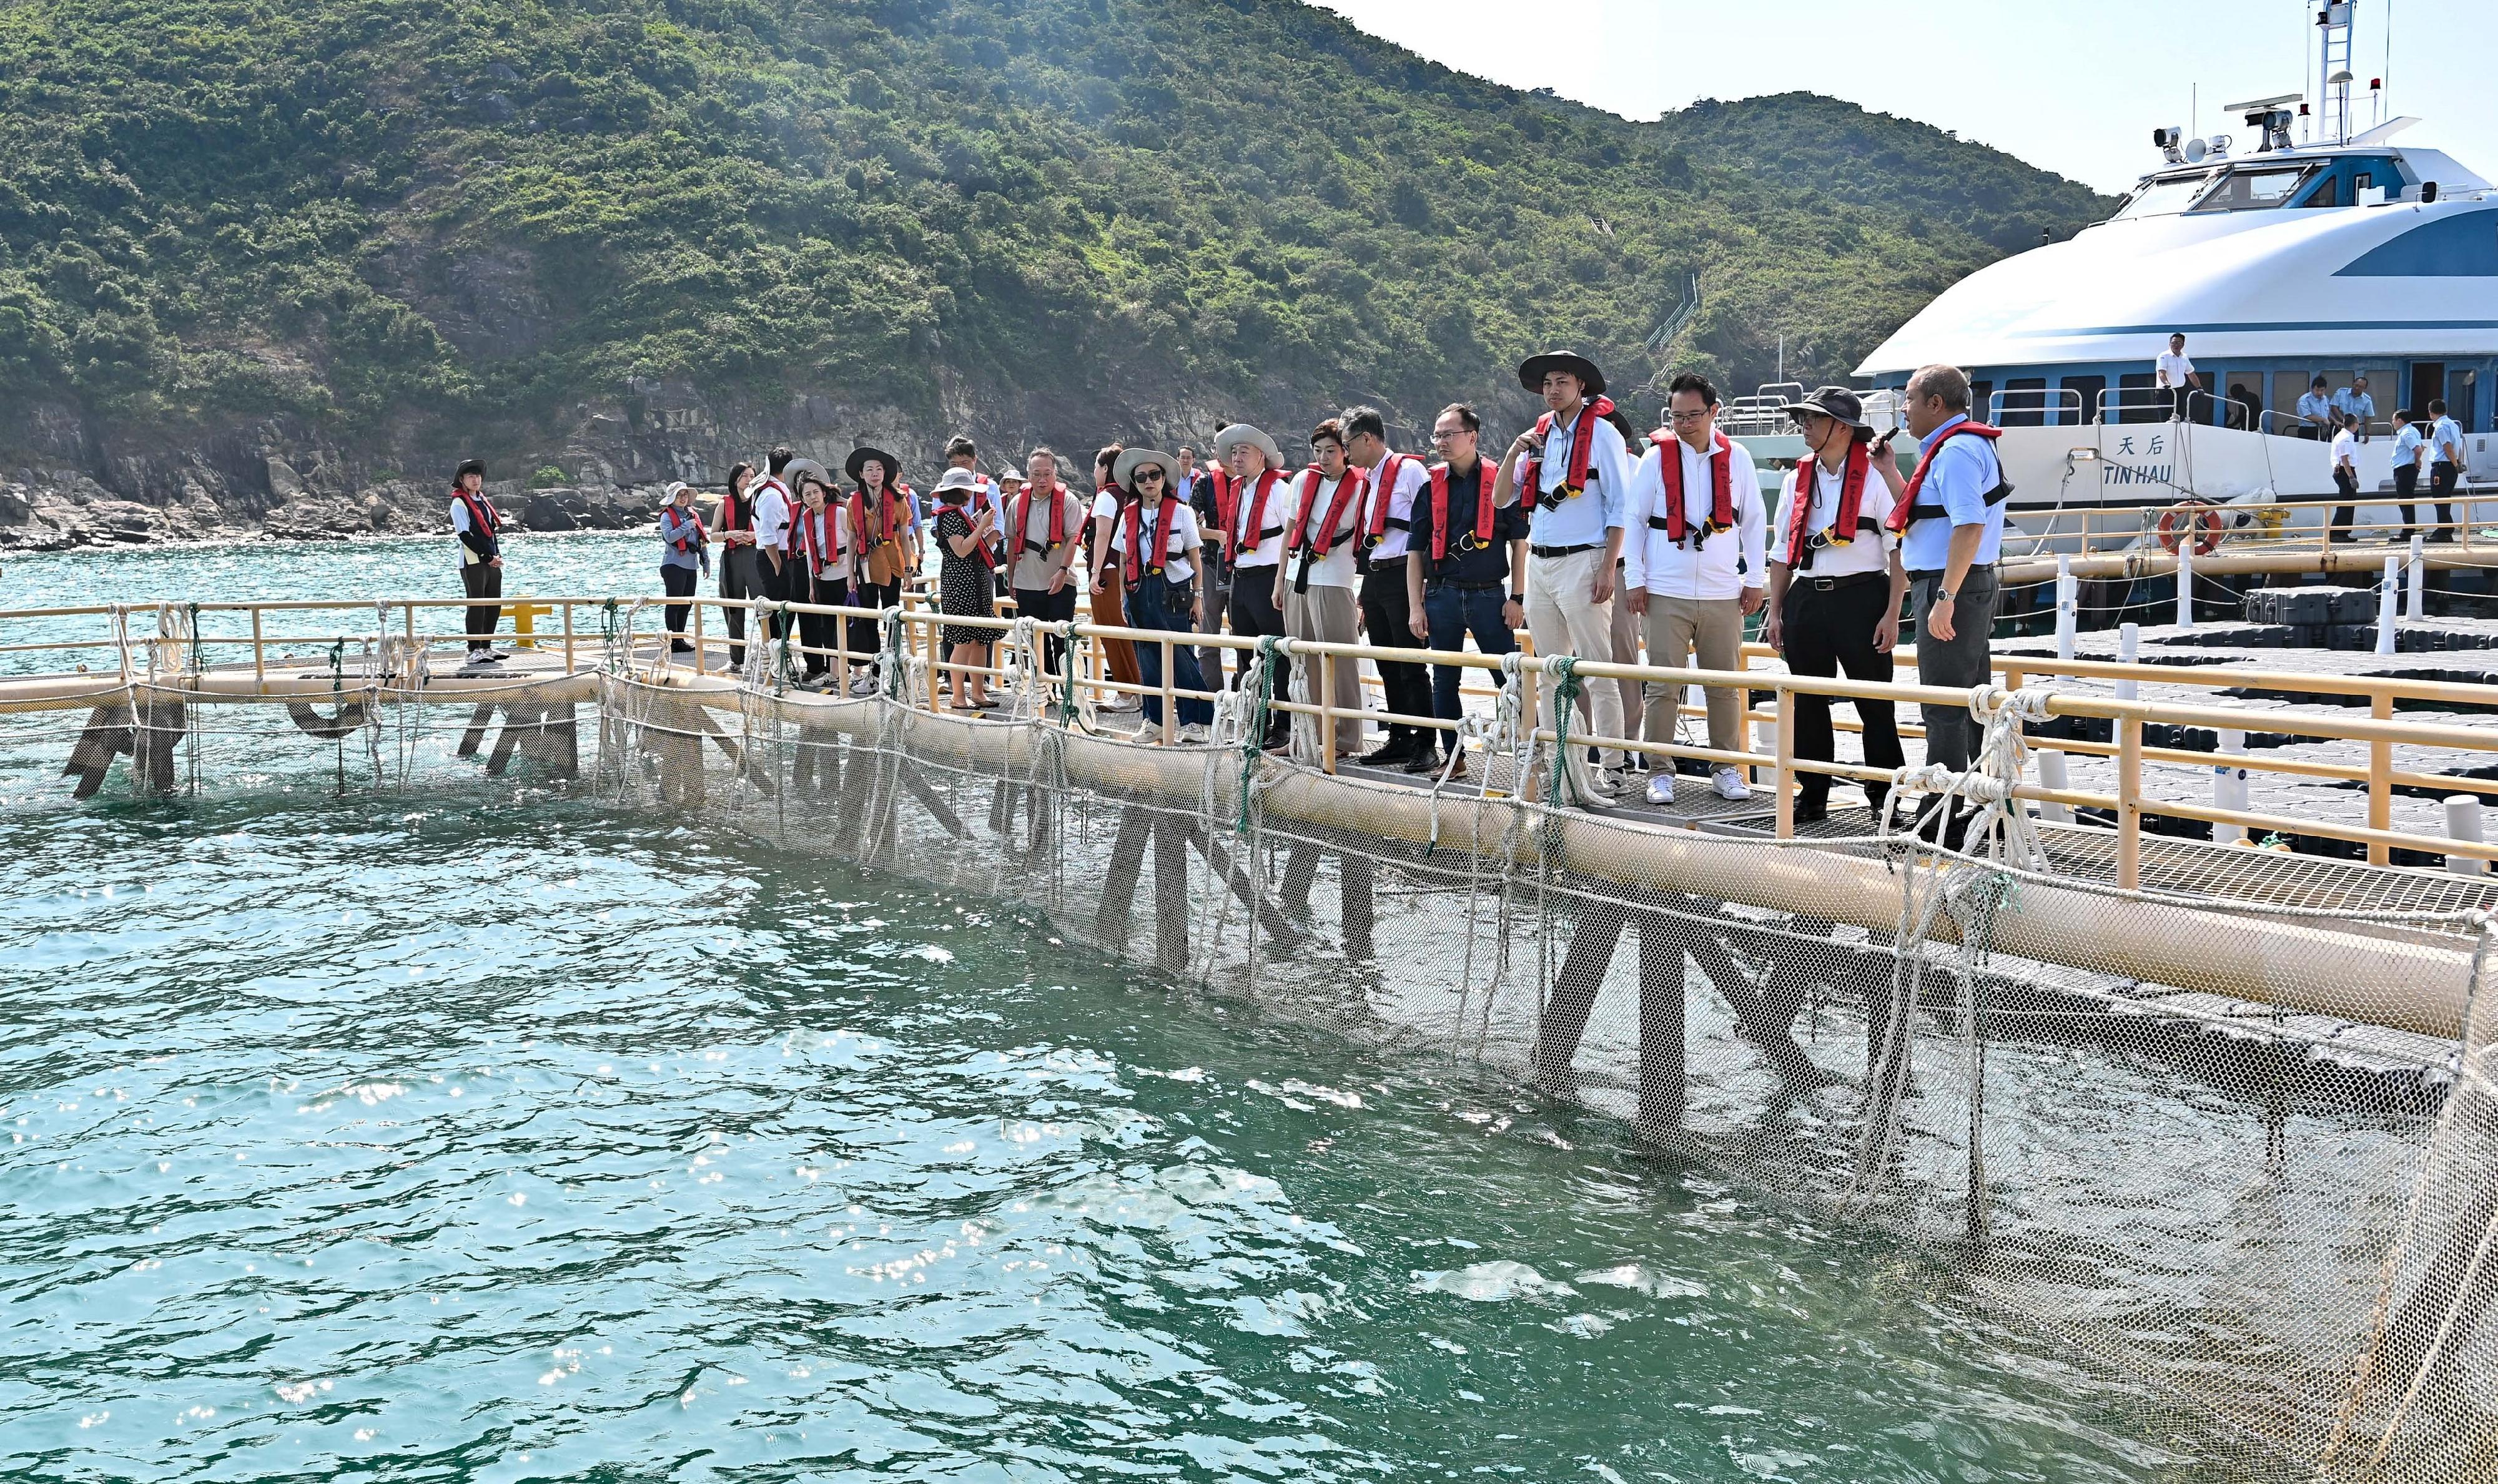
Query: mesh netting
point(2242, 1153)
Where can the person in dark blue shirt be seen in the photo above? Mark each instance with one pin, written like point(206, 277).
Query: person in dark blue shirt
point(1468, 564)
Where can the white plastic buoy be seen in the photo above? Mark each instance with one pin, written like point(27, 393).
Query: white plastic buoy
point(2186, 580)
point(2128, 641)
point(2229, 786)
point(2415, 594)
point(2385, 594)
point(2052, 775)
point(2463, 823)
point(2067, 606)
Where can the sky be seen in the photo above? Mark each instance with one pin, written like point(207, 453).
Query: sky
point(2071, 88)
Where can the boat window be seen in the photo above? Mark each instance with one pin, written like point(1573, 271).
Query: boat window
point(2166, 196)
point(2256, 188)
point(2328, 192)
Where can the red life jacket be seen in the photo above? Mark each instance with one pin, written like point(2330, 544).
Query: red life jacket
point(1227, 492)
point(1582, 448)
point(881, 530)
point(818, 549)
point(1247, 540)
point(1347, 490)
point(1057, 520)
point(1383, 486)
point(735, 514)
point(1906, 511)
point(1133, 562)
point(984, 552)
point(689, 545)
point(1483, 511)
point(1844, 519)
point(1721, 491)
point(482, 514)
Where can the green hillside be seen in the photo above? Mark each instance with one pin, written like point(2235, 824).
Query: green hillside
point(387, 221)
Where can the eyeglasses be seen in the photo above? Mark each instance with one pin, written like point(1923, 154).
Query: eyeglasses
point(1690, 416)
point(1451, 434)
point(1149, 476)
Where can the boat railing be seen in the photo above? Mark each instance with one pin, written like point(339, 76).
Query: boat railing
point(295, 656)
point(1763, 414)
point(2286, 424)
point(2035, 407)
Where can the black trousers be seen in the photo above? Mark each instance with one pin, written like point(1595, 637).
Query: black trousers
point(815, 631)
point(863, 639)
point(1827, 632)
point(737, 584)
point(676, 582)
point(2407, 480)
point(2345, 483)
point(1388, 616)
point(1255, 616)
point(2443, 477)
point(1047, 606)
point(481, 579)
point(2181, 403)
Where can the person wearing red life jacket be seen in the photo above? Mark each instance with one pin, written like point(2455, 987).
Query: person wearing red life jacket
point(1253, 545)
point(880, 534)
point(1386, 517)
point(1950, 523)
point(1107, 596)
point(1045, 525)
point(1203, 487)
point(773, 507)
point(1692, 570)
point(684, 547)
point(1466, 559)
point(1313, 585)
point(961, 453)
point(820, 563)
point(1572, 471)
point(1835, 584)
point(1155, 541)
point(477, 525)
point(966, 588)
point(735, 527)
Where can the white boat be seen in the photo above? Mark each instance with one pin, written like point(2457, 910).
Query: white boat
point(2320, 250)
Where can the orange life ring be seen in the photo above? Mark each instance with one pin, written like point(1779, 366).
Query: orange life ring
point(2203, 519)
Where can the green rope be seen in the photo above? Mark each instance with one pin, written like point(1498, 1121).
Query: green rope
point(1067, 673)
point(1566, 686)
point(785, 680)
point(1253, 737)
point(198, 664)
point(894, 643)
point(607, 632)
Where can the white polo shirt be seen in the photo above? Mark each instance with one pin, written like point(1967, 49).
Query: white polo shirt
point(1864, 551)
point(1335, 568)
point(2174, 367)
point(1652, 561)
point(1179, 543)
point(1413, 476)
point(771, 512)
point(1265, 547)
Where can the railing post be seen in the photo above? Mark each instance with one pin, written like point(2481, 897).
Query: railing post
point(936, 656)
point(2128, 805)
point(2185, 576)
point(697, 628)
point(1782, 778)
point(2068, 607)
point(2415, 594)
point(2380, 772)
point(2053, 775)
point(1171, 699)
point(2386, 593)
point(2228, 786)
point(1325, 699)
point(2463, 823)
point(2129, 644)
point(569, 665)
point(259, 665)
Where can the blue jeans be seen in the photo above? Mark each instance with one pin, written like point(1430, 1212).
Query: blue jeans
point(1155, 602)
point(1452, 613)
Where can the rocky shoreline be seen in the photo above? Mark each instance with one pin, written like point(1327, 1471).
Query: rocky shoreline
point(72, 512)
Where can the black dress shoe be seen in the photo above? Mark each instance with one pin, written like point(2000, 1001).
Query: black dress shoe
point(1393, 754)
point(1424, 762)
point(1810, 813)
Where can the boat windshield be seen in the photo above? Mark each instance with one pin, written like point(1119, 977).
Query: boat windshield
point(2256, 188)
point(2167, 196)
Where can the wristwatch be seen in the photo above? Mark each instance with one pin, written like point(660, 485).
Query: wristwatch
point(1518, 597)
point(1941, 596)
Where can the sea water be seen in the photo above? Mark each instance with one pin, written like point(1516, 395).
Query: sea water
point(475, 1133)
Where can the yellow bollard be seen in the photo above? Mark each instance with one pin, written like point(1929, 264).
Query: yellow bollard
point(523, 617)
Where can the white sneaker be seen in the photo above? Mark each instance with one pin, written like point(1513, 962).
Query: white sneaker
point(1606, 782)
point(1729, 784)
point(1660, 788)
point(1116, 701)
point(1193, 735)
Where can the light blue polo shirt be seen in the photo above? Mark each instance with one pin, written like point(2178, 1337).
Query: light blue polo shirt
point(2445, 442)
point(2407, 444)
point(1958, 479)
point(1584, 520)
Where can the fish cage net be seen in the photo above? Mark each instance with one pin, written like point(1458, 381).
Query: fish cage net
point(2281, 1222)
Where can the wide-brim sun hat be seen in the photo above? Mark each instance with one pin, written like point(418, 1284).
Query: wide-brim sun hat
point(1239, 433)
point(1531, 371)
point(1123, 473)
point(1836, 402)
point(675, 487)
point(956, 480)
point(862, 455)
point(1012, 476)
